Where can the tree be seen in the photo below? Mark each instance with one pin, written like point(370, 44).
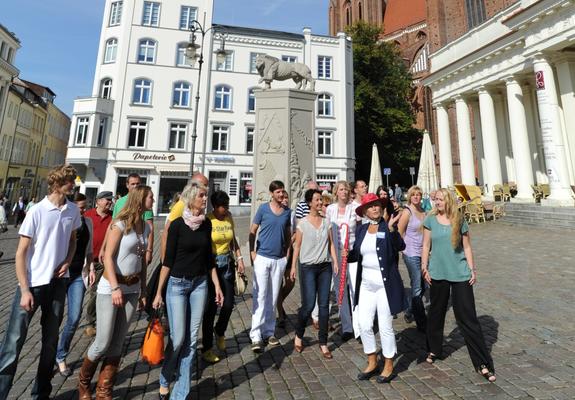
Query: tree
point(383, 113)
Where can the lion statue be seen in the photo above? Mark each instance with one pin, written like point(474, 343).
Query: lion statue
point(272, 68)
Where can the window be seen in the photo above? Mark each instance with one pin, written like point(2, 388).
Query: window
point(106, 88)
point(325, 105)
point(250, 139)
point(142, 91)
point(324, 143)
point(102, 131)
point(251, 100)
point(178, 136)
point(326, 181)
point(82, 130)
point(182, 94)
point(137, 135)
point(151, 14)
point(187, 15)
point(475, 12)
point(220, 138)
point(181, 60)
point(116, 13)
point(223, 98)
point(111, 50)
point(324, 67)
point(246, 187)
point(253, 57)
point(289, 59)
point(228, 63)
point(147, 51)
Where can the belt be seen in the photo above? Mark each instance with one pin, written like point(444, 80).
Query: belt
point(128, 280)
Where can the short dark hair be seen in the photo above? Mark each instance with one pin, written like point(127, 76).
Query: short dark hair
point(79, 196)
point(133, 175)
point(275, 185)
point(308, 196)
point(219, 198)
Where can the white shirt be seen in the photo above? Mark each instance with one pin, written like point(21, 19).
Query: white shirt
point(50, 229)
point(371, 273)
point(333, 216)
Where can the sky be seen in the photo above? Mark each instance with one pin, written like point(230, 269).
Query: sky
point(59, 38)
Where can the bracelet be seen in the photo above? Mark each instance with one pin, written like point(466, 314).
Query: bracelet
point(116, 288)
point(239, 258)
point(149, 251)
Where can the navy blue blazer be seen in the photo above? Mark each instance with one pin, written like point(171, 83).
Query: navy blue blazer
point(387, 252)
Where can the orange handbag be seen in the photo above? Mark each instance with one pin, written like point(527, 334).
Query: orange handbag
point(153, 345)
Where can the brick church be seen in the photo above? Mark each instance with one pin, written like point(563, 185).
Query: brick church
point(404, 22)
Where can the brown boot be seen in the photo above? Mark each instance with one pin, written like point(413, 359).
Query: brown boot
point(107, 377)
point(87, 371)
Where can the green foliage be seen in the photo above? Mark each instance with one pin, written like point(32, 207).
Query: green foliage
point(383, 114)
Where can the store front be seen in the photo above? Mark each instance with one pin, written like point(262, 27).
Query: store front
point(246, 179)
point(121, 188)
point(171, 183)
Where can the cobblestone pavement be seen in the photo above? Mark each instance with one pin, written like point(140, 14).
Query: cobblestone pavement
point(524, 299)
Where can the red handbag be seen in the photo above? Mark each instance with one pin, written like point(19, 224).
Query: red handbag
point(153, 345)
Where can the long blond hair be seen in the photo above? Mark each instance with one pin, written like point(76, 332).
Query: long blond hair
point(131, 213)
point(452, 213)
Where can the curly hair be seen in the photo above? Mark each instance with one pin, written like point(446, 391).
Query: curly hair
point(60, 175)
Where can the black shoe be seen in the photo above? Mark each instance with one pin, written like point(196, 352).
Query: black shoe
point(66, 372)
point(346, 336)
point(364, 376)
point(386, 379)
point(163, 396)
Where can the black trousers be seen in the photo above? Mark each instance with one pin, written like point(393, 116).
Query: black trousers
point(464, 309)
point(208, 328)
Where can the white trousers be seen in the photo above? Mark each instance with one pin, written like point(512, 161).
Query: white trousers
point(372, 300)
point(268, 275)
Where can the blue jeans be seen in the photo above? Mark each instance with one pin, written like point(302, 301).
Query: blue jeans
point(315, 280)
point(50, 298)
point(76, 290)
point(185, 302)
point(414, 301)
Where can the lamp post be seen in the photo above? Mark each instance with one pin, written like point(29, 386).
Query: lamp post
point(195, 52)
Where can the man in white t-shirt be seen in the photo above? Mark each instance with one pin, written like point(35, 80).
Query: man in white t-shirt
point(45, 250)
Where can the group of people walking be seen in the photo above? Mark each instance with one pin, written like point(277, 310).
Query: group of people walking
point(347, 242)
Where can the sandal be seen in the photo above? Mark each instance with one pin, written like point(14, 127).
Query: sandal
point(484, 371)
point(430, 358)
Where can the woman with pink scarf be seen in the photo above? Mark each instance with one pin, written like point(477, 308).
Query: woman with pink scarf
point(187, 265)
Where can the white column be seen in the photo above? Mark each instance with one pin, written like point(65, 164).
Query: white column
point(566, 78)
point(444, 139)
point(481, 163)
point(465, 143)
point(551, 133)
point(490, 141)
point(519, 141)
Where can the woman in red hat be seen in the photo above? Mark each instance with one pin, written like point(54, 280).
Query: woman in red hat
point(379, 288)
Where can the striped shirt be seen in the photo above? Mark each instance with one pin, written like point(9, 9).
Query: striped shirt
point(301, 210)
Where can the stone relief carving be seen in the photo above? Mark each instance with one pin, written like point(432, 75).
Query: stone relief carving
point(298, 181)
point(307, 140)
point(273, 69)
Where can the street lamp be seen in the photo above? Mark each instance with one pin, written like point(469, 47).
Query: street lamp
point(194, 52)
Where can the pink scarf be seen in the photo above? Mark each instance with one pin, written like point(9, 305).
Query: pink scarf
point(191, 220)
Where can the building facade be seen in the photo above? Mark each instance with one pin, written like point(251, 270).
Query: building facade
point(504, 93)
point(9, 45)
point(33, 138)
point(405, 24)
point(140, 115)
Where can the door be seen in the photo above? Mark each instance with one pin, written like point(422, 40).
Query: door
point(218, 181)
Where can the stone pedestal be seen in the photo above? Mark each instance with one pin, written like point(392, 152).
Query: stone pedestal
point(284, 143)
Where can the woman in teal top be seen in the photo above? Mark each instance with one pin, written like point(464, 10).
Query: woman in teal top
point(450, 269)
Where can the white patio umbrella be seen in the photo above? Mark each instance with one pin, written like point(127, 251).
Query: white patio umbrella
point(426, 176)
point(375, 179)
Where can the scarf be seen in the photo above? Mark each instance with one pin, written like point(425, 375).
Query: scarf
point(191, 220)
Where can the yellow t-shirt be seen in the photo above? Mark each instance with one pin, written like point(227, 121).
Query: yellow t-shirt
point(177, 211)
point(222, 234)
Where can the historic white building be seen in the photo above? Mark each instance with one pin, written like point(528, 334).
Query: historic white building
point(512, 82)
point(140, 115)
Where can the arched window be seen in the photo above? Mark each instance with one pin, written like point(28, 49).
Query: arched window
point(182, 94)
point(421, 35)
point(325, 105)
point(360, 11)
point(142, 91)
point(147, 51)
point(106, 88)
point(223, 98)
point(251, 100)
point(348, 16)
point(111, 51)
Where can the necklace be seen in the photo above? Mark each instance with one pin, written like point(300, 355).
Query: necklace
point(140, 246)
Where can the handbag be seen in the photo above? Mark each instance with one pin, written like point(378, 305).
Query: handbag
point(153, 346)
point(241, 281)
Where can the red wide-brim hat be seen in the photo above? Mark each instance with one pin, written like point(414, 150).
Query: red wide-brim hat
point(367, 201)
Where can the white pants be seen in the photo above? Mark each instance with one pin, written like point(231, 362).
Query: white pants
point(268, 275)
point(372, 300)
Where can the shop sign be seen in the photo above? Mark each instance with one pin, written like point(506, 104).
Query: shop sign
point(539, 80)
point(153, 157)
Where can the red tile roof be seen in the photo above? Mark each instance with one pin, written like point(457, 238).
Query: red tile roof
point(399, 14)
